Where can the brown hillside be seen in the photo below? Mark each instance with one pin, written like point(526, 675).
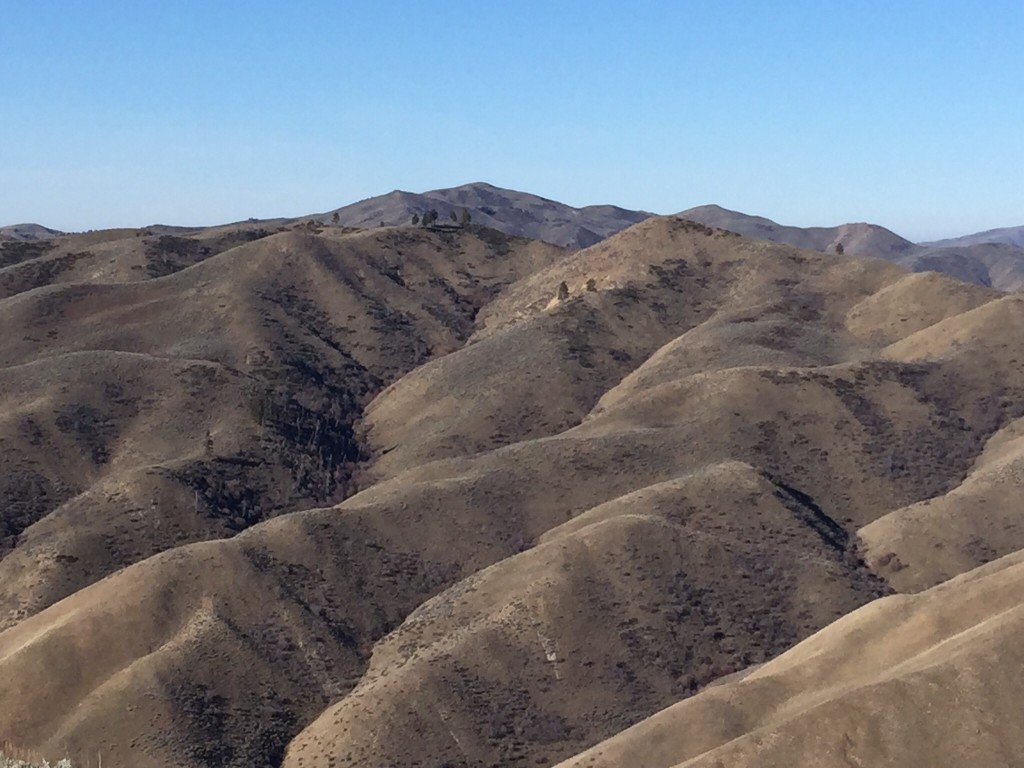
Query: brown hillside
point(512, 666)
point(139, 416)
point(583, 505)
point(905, 681)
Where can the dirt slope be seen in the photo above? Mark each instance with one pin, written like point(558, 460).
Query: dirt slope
point(640, 600)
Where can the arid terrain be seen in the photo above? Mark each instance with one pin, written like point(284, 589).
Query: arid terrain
point(528, 488)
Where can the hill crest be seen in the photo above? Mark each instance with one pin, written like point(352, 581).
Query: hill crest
point(515, 213)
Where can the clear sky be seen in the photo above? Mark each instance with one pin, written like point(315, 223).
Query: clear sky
point(905, 113)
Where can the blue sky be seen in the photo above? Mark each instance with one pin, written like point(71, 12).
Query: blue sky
point(903, 113)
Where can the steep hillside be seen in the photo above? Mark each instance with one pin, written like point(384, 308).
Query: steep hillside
point(515, 213)
point(597, 483)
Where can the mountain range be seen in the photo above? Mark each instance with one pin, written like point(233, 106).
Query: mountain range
point(298, 493)
point(993, 258)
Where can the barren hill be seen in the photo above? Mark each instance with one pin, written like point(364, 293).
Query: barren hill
point(406, 497)
point(515, 213)
point(997, 262)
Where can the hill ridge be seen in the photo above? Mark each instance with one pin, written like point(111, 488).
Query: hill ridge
point(308, 496)
point(995, 264)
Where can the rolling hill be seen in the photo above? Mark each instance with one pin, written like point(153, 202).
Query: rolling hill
point(856, 239)
point(145, 413)
point(308, 495)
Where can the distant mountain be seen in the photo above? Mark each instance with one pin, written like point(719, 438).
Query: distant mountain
point(856, 239)
point(989, 263)
point(27, 232)
point(874, 672)
point(514, 213)
point(1003, 236)
point(996, 264)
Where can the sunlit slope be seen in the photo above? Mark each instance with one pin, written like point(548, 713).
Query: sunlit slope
point(905, 681)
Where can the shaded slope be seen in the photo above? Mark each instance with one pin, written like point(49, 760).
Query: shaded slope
point(978, 520)
point(997, 264)
point(926, 543)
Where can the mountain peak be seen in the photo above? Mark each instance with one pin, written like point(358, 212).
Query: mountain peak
point(515, 213)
